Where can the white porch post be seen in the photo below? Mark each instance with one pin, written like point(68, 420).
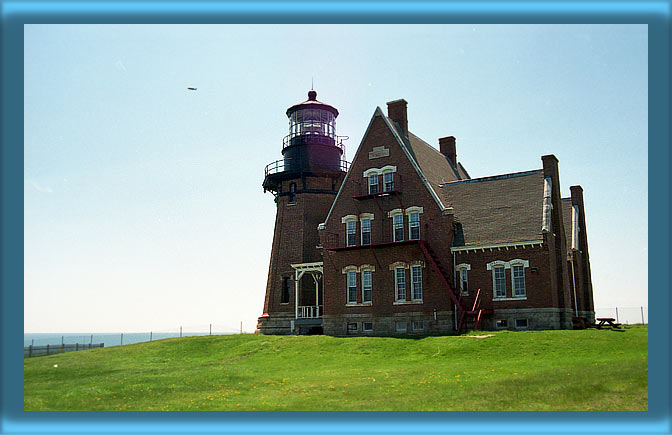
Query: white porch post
point(297, 278)
point(317, 296)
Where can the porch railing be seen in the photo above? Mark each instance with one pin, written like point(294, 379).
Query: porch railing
point(310, 311)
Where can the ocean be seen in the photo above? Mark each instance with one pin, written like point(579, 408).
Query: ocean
point(108, 339)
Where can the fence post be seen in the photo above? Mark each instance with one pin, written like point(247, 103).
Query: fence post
point(641, 309)
point(62, 340)
point(150, 335)
point(91, 338)
point(47, 350)
point(122, 339)
point(180, 332)
point(30, 351)
point(241, 326)
point(211, 329)
point(77, 346)
point(616, 314)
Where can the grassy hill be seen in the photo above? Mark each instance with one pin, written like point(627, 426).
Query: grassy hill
point(544, 370)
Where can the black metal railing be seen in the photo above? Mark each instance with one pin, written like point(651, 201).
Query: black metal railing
point(279, 166)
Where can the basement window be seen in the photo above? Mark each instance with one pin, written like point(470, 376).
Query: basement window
point(521, 323)
point(367, 326)
point(352, 327)
point(502, 324)
point(400, 327)
point(418, 325)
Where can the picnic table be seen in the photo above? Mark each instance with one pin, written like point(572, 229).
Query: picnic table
point(607, 321)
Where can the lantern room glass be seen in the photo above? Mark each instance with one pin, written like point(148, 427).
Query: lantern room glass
point(312, 122)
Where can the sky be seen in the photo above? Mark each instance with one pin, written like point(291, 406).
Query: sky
point(143, 205)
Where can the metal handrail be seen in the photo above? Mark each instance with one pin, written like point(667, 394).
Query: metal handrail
point(309, 311)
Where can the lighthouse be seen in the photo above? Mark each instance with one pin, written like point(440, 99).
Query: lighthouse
point(304, 184)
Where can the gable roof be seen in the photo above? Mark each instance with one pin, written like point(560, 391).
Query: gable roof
point(499, 209)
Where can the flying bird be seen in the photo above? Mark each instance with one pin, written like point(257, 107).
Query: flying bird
point(191, 88)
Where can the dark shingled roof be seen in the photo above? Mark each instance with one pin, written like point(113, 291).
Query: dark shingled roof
point(436, 168)
point(499, 209)
point(567, 221)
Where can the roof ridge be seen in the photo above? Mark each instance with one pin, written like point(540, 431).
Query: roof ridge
point(494, 177)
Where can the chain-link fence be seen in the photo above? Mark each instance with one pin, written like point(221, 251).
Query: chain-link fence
point(625, 315)
point(118, 339)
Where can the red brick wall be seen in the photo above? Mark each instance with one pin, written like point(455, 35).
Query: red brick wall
point(434, 227)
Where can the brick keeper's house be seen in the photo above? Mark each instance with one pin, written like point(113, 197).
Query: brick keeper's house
point(404, 241)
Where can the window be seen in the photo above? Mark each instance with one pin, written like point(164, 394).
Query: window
point(366, 285)
point(414, 226)
point(416, 283)
point(418, 325)
point(351, 233)
point(388, 180)
point(352, 287)
point(400, 326)
point(400, 283)
point(518, 279)
point(500, 281)
point(463, 281)
point(366, 231)
point(292, 192)
point(521, 323)
point(373, 183)
point(352, 327)
point(367, 326)
point(284, 298)
point(502, 324)
point(398, 224)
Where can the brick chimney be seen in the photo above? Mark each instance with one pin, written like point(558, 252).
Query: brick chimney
point(397, 112)
point(448, 148)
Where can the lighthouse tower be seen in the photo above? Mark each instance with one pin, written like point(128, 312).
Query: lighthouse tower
point(304, 182)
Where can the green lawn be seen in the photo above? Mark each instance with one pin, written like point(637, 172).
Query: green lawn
point(545, 370)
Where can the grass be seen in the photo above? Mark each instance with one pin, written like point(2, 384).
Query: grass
point(535, 370)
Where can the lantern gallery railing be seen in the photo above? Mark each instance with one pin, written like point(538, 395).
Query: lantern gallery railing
point(279, 166)
point(313, 137)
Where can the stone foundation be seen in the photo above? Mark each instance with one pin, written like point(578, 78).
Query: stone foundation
point(536, 319)
point(387, 325)
point(278, 324)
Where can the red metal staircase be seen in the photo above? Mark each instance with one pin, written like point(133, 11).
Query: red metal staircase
point(476, 313)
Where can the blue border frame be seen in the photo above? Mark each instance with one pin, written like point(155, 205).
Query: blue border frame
point(15, 14)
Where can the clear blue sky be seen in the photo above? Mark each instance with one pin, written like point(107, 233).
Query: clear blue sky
point(143, 201)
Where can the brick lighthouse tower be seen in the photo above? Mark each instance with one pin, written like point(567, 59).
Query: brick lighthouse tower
point(304, 182)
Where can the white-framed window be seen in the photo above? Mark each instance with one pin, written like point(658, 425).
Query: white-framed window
point(416, 283)
point(518, 280)
point(499, 280)
point(352, 286)
point(400, 326)
point(388, 181)
point(366, 231)
point(462, 271)
point(417, 325)
point(398, 227)
point(414, 226)
point(367, 286)
point(373, 183)
point(351, 230)
point(399, 284)
point(367, 326)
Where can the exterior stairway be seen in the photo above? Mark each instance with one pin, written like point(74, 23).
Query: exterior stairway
point(473, 315)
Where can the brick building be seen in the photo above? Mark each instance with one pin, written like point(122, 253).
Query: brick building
point(406, 242)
